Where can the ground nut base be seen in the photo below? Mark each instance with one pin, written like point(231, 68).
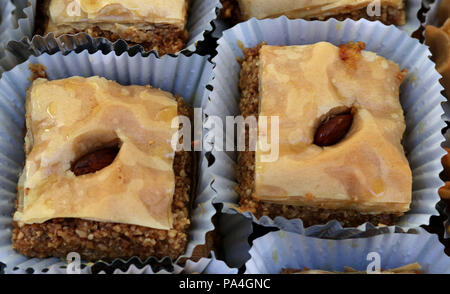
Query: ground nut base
point(165, 40)
point(107, 241)
point(246, 168)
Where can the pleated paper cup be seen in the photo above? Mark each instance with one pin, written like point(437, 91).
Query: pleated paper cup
point(205, 266)
point(281, 250)
point(200, 21)
point(237, 230)
point(420, 97)
point(412, 21)
point(443, 206)
point(10, 30)
point(181, 75)
point(7, 22)
point(431, 17)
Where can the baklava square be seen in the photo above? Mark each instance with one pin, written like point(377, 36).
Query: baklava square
point(101, 177)
point(339, 136)
point(155, 24)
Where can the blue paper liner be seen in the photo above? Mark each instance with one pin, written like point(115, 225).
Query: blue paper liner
point(10, 30)
point(281, 250)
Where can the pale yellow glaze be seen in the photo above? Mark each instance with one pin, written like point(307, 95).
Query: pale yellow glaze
point(305, 8)
point(368, 170)
point(69, 118)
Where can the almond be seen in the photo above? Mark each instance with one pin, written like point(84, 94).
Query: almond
point(94, 161)
point(333, 130)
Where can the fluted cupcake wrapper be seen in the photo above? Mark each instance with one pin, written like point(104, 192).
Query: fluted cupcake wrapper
point(412, 23)
point(203, 266)
point(281, 250)
point(10, 30)
point(432, 19)
point(444, 210)
point(200, 22)
point(431, 16)
point(443, 206)
point(181, 75)
point(420, 97)
point(237, 228)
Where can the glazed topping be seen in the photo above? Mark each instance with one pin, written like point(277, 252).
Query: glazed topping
point(306, 8)
point(115, 11)
point(311, 89)
point(74, 168)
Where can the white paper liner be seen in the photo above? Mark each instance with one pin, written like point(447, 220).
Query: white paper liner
point(412, 24)
point(431, 16)
point(7, 21)
point(420, 96)
point(431, 19)
point(200, 19)
point(447, 226)
point(205, 266)
point(443, 208)
point(10, 29)
point(277, 250)
point(181, 75)
point(236, 229)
